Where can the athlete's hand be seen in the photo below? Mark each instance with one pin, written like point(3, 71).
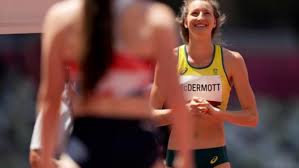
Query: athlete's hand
point(195, 106)
point(206, 110)
point(212, 112)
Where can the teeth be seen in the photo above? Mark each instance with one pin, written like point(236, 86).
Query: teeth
point(200, 25)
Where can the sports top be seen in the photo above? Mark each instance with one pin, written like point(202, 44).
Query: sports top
point(209, 82)
point(129, 75)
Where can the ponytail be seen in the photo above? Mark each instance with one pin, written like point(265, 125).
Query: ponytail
point(97, 36)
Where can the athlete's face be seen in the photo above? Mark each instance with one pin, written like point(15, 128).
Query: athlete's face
point(200, 19)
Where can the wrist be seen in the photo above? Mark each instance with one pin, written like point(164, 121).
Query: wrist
point(221, 114)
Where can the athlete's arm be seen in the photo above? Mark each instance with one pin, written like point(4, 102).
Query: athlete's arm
point(52, 82)
point(248, 116)
point(157, 100)
point(64, 130)
point(163, 22)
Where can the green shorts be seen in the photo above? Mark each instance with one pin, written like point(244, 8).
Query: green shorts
point(204, 158)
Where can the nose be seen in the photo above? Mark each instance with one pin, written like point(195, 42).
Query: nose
point(200, 16)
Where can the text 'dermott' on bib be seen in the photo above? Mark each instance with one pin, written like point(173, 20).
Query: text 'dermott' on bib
point(207, 87)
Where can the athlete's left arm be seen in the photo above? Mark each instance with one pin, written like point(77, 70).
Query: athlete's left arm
point(248, 116)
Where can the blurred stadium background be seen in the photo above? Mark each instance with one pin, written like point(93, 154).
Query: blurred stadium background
point(265, 32)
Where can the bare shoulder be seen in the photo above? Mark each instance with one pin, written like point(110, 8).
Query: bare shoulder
point(62, 15)
point(160, 15)
point(232, 57)
point(233, 62)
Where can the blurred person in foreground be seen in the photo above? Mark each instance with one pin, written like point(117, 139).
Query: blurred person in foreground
point(207, 72)
point(108, 46)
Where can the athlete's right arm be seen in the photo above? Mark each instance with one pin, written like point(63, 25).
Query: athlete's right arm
point(157, 100)
point(52, 80)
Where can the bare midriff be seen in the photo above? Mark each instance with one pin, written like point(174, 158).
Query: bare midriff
point(206, 134)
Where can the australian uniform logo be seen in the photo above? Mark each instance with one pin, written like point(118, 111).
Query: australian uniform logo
point(214, 160)
point(215, 71)
point(183, 71)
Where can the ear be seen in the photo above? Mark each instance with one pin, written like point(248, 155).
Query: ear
point(185, 23)
point(215, 24)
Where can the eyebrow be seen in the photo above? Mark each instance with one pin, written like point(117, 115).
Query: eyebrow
point(202, 9)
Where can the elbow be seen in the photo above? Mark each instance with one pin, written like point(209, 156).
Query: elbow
point(161, 118)
point(254, 120)
point(159, 122)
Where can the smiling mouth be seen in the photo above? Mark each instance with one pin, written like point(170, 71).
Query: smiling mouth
point(201, 25)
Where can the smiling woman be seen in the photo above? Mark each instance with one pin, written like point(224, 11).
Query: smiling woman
point(213, 10)
point(23, 16)
point(207, 73)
